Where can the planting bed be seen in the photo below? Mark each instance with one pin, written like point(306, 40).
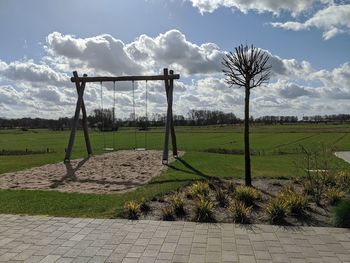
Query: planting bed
point(314, 215)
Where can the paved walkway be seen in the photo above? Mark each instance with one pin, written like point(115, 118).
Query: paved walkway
point(343, 155)
point(51, 239)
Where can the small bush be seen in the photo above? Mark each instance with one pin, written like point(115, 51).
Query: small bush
point(247, 195)
point(333, 196)
point(307, 187)
point(199, 189)
point(296, 203)
point(341, 214)
point(286, 190)
point(342, 180)
point(132, 209)
point(144, 206)
point(240, 212)
point(177, 203)
point(204, 210)
point(221, 197)
point(316, 170)
point(168, 213)
point(276, 210)
point(316, 184)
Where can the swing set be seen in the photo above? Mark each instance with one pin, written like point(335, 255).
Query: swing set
point(80, 83)
point(105, 148)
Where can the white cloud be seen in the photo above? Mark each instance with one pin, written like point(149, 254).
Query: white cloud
point(9, 95)
point(28, 71)
point(44, 89)
point(291, 91)
point(293, 6)
point(105, 54)
point(333, 20)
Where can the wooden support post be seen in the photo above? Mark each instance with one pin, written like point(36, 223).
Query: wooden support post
point(172, 129)
point(167, 123)
point(85, 123)
point(75, 121)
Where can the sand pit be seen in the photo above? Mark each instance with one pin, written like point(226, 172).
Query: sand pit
point(108, 173)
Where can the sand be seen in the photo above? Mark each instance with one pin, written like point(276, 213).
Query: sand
point(113, 172)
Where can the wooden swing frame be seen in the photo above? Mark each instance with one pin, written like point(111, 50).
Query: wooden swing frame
point(80, 83)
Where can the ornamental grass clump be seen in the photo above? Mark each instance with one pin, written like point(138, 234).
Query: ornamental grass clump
point(168, 213)
point(221, 197)
point(177, 202)
point(132, 209)
point(198, 189)
point(333, 196)
point(296, 203)
point(276, 210)
point(204, 210)
point(144, 206)
point(341, 214)
point(240, 212)
point(342, 180)
point(247, 195)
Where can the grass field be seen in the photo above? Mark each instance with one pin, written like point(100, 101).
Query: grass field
point(275, 147)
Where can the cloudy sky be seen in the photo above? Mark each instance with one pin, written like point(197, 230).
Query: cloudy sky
point(42, 42)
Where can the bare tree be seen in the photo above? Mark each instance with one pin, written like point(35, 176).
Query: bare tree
point(247, 68)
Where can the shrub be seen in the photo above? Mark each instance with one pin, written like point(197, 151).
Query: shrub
point(341, 214)
point(177, 203)
point(204, 210)
point(199, 189)
point(276, 210)
point(240, 212)
point(315, 167)
point(247, 195)
point(342, 180)
point(144, 206)
point(333, 196)
point(315, 186)
point(168, 213)
point(221, 197)
point(295, 202)
point(307, 187)
point(132, 209)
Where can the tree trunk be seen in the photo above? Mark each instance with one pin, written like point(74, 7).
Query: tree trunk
point(248, 176)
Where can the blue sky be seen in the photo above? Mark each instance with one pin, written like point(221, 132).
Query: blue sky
point(307, 40)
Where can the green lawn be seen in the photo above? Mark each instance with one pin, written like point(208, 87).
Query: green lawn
point(195, 164)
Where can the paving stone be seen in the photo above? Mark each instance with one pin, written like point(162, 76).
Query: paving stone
point(64, 260)
point(7, 256)
point(50, 259)
point(48, 239)
point(180, 258)
point(81, 260)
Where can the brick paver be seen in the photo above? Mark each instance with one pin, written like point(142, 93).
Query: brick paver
point(53, 239)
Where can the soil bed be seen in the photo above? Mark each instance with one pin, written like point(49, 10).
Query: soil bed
point(315, 215)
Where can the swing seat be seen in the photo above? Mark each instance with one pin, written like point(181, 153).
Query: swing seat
point(108, 149)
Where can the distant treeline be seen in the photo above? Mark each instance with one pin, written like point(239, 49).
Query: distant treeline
point(103, 120)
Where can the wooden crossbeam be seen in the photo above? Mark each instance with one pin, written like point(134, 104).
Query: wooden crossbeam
point(125, 78)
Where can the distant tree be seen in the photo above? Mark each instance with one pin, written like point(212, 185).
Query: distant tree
point(247, 68)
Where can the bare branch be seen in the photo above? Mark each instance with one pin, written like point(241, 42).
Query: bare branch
point(247, 67)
